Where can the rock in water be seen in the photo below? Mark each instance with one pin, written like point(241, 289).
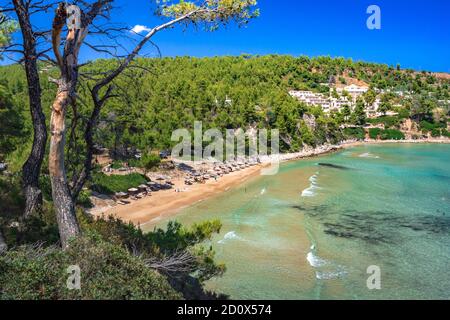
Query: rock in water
point(334, 166)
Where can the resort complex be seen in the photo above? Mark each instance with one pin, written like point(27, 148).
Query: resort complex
point(346, 96)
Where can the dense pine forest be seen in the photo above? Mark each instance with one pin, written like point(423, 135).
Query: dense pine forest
point(153, 98)
point(157, 96)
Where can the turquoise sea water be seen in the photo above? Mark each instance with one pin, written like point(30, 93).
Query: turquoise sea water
point(312, 231)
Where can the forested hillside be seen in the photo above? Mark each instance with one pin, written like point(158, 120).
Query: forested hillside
point(157, 96)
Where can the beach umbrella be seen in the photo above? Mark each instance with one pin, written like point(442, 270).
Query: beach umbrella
point(121, 195)
point(133, 191)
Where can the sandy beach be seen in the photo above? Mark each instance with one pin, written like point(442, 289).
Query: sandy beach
point(164, 204)
point(167, 203)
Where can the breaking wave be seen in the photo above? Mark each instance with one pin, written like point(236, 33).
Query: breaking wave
point(330, 275)
point(315, 261)
point(229, 236)
point(369, 155)
point(325, 270)
point(312, 190)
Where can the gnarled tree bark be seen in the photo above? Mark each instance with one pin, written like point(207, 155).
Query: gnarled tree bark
point(64, 205)
point(63, 201)
point(32, 167)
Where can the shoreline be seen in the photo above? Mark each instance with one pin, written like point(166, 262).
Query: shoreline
point(410, 141)
point(326, 149)
point(166, 204)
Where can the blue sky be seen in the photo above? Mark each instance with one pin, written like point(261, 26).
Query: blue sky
point(414, 33)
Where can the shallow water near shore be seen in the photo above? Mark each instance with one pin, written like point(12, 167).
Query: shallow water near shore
point(311, 231)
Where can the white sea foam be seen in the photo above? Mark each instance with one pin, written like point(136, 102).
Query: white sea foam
point(369, 155)
point(325, 270)
point(330, 275)
point(229, 236)
point(263, 191)
point(311, 191)
point(315, 261)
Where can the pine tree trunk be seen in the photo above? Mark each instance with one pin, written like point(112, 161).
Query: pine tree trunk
point(62, 200)
point(32, 167)
point(67, 85)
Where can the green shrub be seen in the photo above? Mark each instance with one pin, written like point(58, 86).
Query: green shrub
point(436, 133)
point(12, 201)
point(17, 158)
point(46, 187)
point(176, 238)
point(426, 126)
point(35, 229)
point(147, 162)
point(445, 133)
point(429, 127)
point(108, 272)
point(374, 133)
point(403, 113)
point(388, 121)
point(355, 133)
point(108, 261)
point(116, 165)
point(150, 161)
point(84, 200)
point(391, 134)
point(105, 184)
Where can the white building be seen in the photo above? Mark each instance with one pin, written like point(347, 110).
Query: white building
point(339, 104)
point(329, 103)
point(372, 111)
point(312, 99)
point(354, 90)
point(317, 99)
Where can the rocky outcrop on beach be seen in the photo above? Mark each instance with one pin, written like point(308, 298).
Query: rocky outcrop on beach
point(410, 129)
